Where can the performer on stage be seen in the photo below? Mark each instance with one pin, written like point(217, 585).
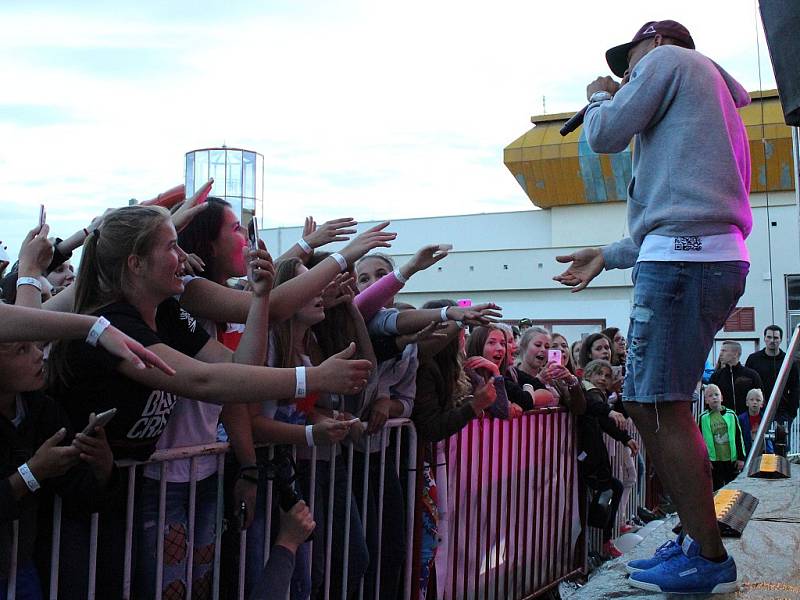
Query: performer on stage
point(688, 217)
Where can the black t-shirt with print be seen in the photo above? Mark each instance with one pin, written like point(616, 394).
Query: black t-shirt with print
point(94, 384)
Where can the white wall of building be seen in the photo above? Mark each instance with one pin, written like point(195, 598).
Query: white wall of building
point(509, 258)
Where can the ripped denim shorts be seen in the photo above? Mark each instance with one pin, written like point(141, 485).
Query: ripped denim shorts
point(678, 307)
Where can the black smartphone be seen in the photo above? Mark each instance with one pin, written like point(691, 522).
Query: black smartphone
point(252, 234)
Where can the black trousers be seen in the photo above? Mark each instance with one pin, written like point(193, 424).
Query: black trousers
point(722, 473)
point(616, 487)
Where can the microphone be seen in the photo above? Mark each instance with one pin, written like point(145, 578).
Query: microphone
point(574, 122)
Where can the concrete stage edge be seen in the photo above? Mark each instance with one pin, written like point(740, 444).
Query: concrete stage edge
point(767, 555)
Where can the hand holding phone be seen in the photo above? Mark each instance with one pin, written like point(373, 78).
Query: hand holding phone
point(100, 420)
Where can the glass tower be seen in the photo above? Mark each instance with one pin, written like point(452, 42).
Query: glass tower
point(238, 177)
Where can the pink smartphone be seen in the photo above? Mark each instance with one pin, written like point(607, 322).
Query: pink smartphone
point(554, 356)
point(465, 302)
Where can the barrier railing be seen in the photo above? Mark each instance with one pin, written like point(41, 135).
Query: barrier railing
point(512, 507)
point(399, 445)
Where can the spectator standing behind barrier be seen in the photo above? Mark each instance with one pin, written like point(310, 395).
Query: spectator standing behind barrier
point(306, 423)
point(537, 373)
point(593, 460)
point(130, 272)
point(751, 419)
point(35, 452)
point(446, 402)
point(217, 239)
point(486, 361)
point(733, 378)
point(767, 363)
point(559, 342)
point(575, 353)
point(723, 437)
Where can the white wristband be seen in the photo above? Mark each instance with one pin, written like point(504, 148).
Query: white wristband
point(30, 281)
point(341, 260)
point(443, 314)
point(310, 435)
point(304, 246)
point(399, 276)
point(300, 382)
point(97, 330)
point(28, 477)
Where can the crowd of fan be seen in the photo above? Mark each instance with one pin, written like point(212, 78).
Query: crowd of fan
point(194, 335)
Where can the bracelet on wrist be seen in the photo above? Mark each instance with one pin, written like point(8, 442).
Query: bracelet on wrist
point(310, 435)
point(304, 246)
point(399, 276)
point(97, 330)
point(28, 477)
point(32, 281)
point(299, 382)
point(443, 314)
point(341, 260)
point(250, 478)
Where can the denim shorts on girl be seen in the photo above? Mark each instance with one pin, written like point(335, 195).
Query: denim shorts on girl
point(678, 307)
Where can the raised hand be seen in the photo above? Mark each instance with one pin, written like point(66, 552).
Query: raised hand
point(484, 397)
point(188, 209)
point(337, 230)
point(36, 252)
point(340, 373)
point(479, 314)
point(260, 271)
point(374, 237)
point(586, 265)
point(425, 257)
point(339, 291)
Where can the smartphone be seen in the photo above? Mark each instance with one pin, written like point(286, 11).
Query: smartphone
point(42, 216)
point(616, 371)
point(252, 234)
point(554, 356)
point(100, 420)
point(4, 257)
point(465, 302)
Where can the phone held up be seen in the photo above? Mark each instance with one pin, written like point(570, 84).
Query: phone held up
point(554, 356)
point(100, 420)
point(252, 234)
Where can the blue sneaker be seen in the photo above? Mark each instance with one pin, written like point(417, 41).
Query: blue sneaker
point(664, 552)
point(688, 573)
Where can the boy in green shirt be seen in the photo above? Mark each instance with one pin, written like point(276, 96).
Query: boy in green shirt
point(723, 436)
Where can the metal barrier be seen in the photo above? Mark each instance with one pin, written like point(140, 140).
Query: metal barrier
point(513, 507)
point(393, 428)
point(620, 457)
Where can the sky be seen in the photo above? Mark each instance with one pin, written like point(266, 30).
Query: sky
point(367, 109)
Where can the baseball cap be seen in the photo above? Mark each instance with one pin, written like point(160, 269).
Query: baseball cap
point(617, 57)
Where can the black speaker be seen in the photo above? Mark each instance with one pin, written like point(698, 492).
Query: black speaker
point(781, 20)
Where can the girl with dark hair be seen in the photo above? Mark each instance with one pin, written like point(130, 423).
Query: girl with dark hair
point(487, 360)
point(445, 403)
point(595, 347)
point(130, 271)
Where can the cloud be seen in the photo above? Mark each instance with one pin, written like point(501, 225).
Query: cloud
point(368, 109)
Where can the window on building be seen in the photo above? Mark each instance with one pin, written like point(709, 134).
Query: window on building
point(741, 319)
point(792, 303)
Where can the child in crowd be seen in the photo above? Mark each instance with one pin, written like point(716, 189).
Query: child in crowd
point(487, 361)
point(38, 450)
point(594, 463)
point(751, 419)
point(723, 436)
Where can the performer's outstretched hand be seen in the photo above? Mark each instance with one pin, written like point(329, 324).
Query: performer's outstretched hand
point(586, 265)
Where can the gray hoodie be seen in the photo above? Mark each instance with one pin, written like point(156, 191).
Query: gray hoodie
point(691, 163)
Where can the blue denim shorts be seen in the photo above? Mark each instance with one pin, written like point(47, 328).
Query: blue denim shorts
point(678, 307)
